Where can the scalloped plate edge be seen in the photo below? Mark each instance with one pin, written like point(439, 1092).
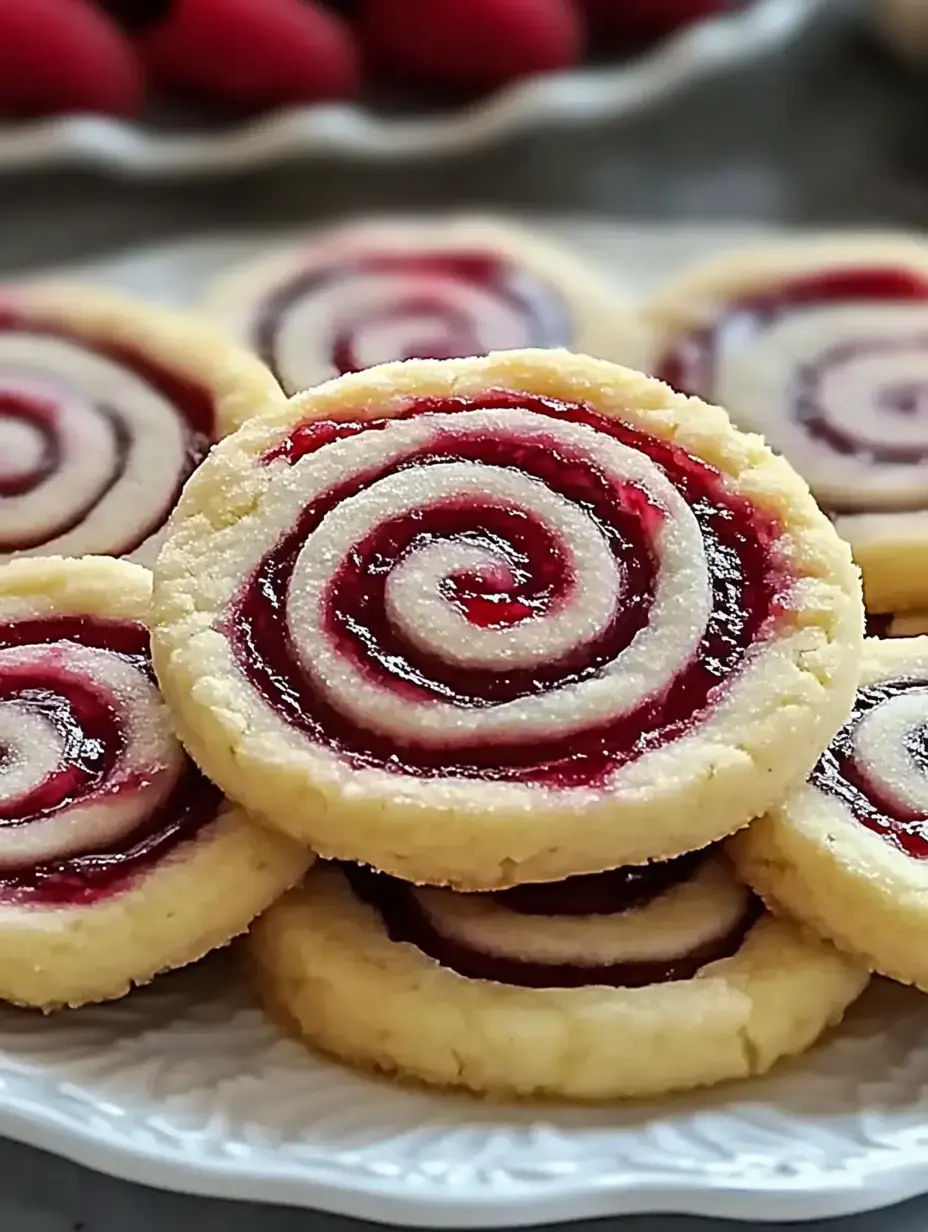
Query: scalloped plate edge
point(564, 99)
point(392, 1201)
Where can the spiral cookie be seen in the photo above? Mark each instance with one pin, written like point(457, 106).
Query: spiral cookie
point(381, 290)
point(106, 407)
point(822, 346)
point(505, 619)
point(629, 983)
point(117, 858)
point(848, 853)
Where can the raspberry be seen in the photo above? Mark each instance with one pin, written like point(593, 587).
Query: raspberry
point(64, 55)
point(255, 52)
point(472, 43)
point(637, 19)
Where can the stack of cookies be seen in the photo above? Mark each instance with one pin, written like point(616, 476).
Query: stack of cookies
point(560, 673)
point(513, 643)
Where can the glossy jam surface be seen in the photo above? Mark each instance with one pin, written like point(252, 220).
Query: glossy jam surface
point(749, 593)
point(441, 324)
point(839, 774)
point(600, 894)
point(92, 738)
point(37, 414)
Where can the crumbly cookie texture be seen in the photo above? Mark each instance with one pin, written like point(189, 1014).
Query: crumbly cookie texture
point(813, 859)
point(69, 944)
point(336, 778)
point(325, 966)
point(376, 290)
point(109, 403)
point(193, 348)
point(834, 379)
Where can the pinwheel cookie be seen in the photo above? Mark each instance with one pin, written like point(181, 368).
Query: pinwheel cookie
point(117, 858)
point(848, 852)
point(434, 288)
point(495, 620)
point(822, 346)
point(629, 983)
point(106, 407)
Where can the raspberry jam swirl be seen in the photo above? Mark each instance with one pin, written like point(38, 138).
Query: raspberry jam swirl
point(833, 370)
point(94, 786)
point(96, 442)
point(622, 929)
point(369, 308)
point(509, 587)
point(877, 765)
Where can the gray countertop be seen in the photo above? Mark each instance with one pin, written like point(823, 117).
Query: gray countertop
point(830, 132)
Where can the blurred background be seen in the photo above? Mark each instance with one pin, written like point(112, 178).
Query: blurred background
point(810, 114)
point(127, 123)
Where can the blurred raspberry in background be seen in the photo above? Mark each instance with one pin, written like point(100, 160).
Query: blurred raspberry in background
point(108, 56)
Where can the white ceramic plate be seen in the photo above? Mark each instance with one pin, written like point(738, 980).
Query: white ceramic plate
point(580, 97)
point(185, 1085)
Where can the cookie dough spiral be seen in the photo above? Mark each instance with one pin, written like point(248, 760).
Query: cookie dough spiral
point(833, 370)
point(623, 929)
point(106, 408)
point(369, 308)
point(381, 289)
point(118, 858)
point(877, 767)
point(821, 345)
point(847, 853)
point(88, 753)
point(487, 601)
point(444, 563)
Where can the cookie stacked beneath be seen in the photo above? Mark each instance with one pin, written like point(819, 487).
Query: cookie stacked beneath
point(514, 643)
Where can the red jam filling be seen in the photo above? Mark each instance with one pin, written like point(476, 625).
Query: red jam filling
point(839, 774)
point(451, 331)
point(194, 405)
point(609, 893)
point(690, 362)
point(750, 587)
point(93, 739)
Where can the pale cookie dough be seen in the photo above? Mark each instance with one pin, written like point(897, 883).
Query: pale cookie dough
point(117, 858)
point(326, 967)
point(848, 853)
point(821, 345)
point(429, 619)
point(376, 290)
point(106, 406)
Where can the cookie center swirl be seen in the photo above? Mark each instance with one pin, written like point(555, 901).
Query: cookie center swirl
point(95, 443)
point(878, 763)
point(604, 929)
point(93, 783)
point(520, 590)
point(833, 370)
point(368, 309)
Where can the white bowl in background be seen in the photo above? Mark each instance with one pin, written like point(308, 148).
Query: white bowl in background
point(583, 96)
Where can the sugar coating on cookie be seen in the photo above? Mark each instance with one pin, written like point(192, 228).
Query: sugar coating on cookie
point(377, 290)
point(107, 405)
point(493, 620)
point(848, 852)
point(821, 345)
point(629, 983)
point(118, 859)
